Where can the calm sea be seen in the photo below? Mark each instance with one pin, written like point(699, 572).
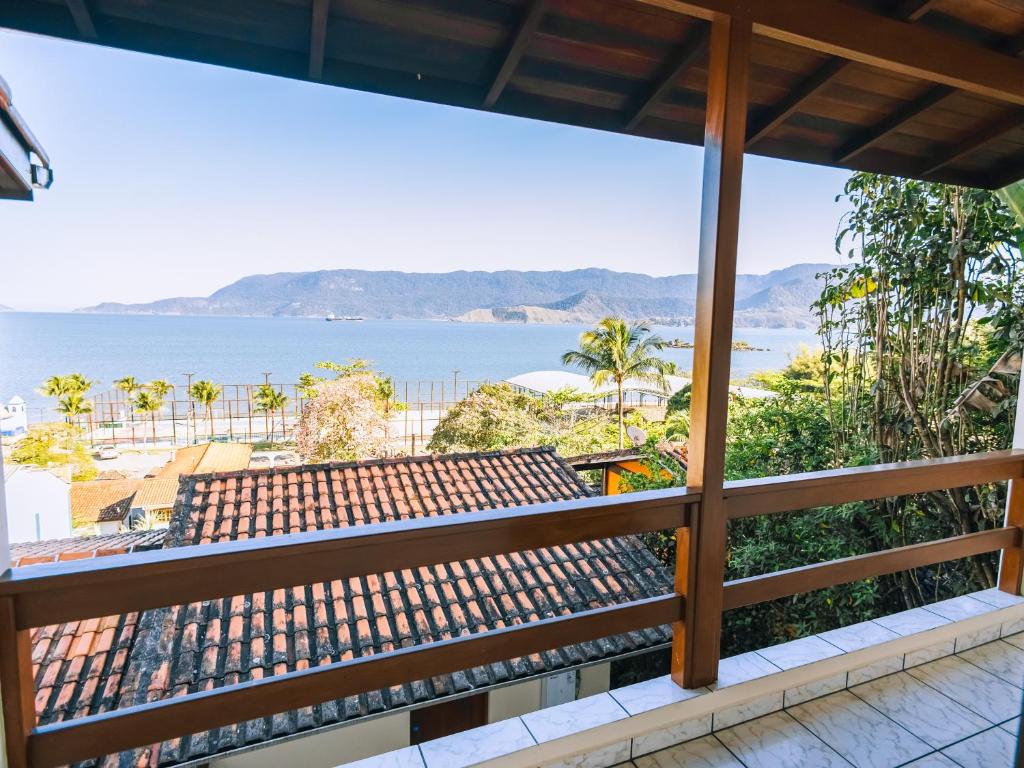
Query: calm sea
point(240, 349)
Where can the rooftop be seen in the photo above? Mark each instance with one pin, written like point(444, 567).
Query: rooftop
point(164, 653)
point(206, 457)
point(105, 501)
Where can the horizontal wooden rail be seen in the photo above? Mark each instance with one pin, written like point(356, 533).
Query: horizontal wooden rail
point(82, 589)
point(87, 737)
point(769, 495)
point(771, 586)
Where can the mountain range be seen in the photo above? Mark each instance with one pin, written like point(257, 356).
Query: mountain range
point(778, 299)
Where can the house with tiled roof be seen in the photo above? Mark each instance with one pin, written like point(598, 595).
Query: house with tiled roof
point(204, 458)
point(165, 653)
point(669, 459)
point(112, 506)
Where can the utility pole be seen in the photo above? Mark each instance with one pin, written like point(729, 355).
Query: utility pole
point(191, 409)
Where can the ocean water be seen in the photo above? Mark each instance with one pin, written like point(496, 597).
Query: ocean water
point(238, 350)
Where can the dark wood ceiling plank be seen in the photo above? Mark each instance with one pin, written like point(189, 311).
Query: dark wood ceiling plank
point(807, 88)
point(83, 19)
point(908, 10)
point(529, 25)
point(869, 138)
point(1010, 122)
point(692, 48)
point(318, 38)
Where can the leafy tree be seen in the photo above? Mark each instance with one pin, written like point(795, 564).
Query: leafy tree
point(72, 405)
point(617, 351)
point(269, 401)
point(70, 392)
point(495, 416)
point(160, 388)
point(147, 401)
point(930, 297)
point(128, 384)
point(680, 401)
point(55, 445)
point(206, 393)
point(343, 422)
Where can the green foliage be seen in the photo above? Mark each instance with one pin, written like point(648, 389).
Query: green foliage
point(128, 384)
point(206, 393)
point(55, 445)
point(269, 402)
point(804, 373)
point(680, 401)
point(70, 392)
point(494, 416)
point(617, 351)
point(343, 422)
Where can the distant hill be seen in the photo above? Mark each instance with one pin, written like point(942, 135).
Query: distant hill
point(5, 308)
point(778, 299)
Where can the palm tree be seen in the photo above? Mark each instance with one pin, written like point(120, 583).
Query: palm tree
point(206, 393)
point(58, 386)
point(148, 402)
point(128, 384)
point(616, 351)
point(269, 401)
point(159, 387)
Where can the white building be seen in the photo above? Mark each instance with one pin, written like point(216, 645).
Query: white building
point(13, 418)
point(38, 504)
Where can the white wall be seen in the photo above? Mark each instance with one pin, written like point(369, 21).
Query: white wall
point(328, 748)
point(594, 680)
point(38, 506)
point(513, 700)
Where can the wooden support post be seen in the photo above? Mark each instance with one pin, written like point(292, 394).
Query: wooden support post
point(1011, 566)
point(700, 560)
point(17, 688)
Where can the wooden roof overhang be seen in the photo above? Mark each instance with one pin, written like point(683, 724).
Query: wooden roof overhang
point(930, 89)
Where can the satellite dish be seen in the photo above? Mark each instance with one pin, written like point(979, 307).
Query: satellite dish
point(637, 435)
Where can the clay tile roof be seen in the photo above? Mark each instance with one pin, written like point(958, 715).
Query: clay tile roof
point(205, 458)
point(78, 665)
point(222, 642)
point(100, 501)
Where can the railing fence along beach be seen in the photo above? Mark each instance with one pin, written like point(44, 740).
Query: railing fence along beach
point(46, 594)
point(413, 412)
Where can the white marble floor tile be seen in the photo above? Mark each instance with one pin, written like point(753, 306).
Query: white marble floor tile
point(921, 709)
point(808, 691)
point(997, 598)
point(993, 748)
point(651, 694)
point(478, 744)
point(675, 734)
point(982, 692)
point(871, 671)
point(1013, 726)
point(858, 732)
point(857, 636)
point(725, 718)
point(929, 653)
point(777, 740)
point(999, 658)
point(707, 752)
point(934, 760)
point(958, 608)
point(408, 757)
point(912, 621)
point(741, 668)
point(796, 653)
point(573, 717)
point(606, 757)
point(1016, 640)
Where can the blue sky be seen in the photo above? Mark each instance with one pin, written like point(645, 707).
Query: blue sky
point(175, 179)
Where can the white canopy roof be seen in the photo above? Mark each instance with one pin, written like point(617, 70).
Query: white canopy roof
point(542, 382)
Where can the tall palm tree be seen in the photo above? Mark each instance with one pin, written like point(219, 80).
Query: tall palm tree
point(58, 386)
point(617, 351)
point(159, 387)
point(269, 401)
point(206, 393)
point(147, 402)
point(128, 384)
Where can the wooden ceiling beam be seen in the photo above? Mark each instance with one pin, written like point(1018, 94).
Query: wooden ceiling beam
point(908, 10)
point(693, 47)
point(318, 38)
point(515, 52)
point(82, 18)
point(867, 139)
point(931, 98)
point(1011, 121)
point(850, 32)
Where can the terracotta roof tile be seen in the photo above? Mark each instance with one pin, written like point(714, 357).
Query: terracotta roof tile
point(196, 647)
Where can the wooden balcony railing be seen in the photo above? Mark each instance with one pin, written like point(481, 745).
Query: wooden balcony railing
point(48, 594)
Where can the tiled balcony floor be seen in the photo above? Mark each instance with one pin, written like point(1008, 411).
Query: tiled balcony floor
point(961, 710)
